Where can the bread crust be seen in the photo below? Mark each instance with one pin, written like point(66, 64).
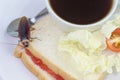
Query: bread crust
point(41, 75)
point(20, 53)
point(30, 66)
point(51, 65)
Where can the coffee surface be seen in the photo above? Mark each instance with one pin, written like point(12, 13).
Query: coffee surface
point(81, 11)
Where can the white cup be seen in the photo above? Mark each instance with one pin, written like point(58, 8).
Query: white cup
point(91, 27)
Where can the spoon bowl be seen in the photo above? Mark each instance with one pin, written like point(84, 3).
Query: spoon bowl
point(12, 28)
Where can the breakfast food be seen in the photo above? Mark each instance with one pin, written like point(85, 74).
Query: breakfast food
point(53, 54)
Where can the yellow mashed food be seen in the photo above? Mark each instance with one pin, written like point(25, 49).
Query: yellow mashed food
point(88, 49)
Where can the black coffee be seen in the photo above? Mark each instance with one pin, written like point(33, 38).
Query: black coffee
point(81, 11)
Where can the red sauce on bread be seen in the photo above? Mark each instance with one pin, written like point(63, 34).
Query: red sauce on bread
point(43, 66)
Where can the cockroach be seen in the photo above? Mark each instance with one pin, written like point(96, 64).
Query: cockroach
point(24, 31)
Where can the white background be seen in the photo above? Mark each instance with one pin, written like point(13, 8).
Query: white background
point(12, 68)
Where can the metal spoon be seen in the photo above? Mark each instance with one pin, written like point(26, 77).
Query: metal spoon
point(12, 29)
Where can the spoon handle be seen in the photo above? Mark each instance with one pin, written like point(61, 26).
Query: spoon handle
point(41, 13)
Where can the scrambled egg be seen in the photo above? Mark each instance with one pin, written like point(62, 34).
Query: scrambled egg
point(88, 50)
point(81, 40)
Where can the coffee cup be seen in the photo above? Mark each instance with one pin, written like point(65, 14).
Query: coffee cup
point(82, 14)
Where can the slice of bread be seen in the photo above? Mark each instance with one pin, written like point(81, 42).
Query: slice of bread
point(41, 74)
point(44, 45)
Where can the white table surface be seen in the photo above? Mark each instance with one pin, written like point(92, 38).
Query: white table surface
point(12, 68)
